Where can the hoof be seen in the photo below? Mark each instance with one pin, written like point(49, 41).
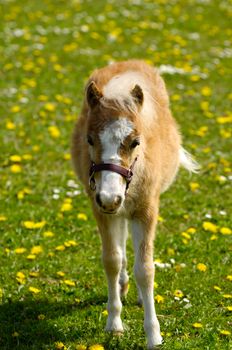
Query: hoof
point(114, 326)
point(117, 333)
point(156, 344)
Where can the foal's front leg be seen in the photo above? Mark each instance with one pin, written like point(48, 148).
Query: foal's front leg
point(113, 234)
point(144, 273)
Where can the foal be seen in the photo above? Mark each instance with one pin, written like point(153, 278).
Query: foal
point(126, 151)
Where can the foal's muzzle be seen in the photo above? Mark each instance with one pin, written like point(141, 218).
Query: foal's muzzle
point(127, 174)
point(108, 203)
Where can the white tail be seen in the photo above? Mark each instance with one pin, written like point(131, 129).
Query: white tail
point(187, 162)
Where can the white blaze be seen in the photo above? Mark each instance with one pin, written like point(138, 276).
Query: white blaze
point(111, 183)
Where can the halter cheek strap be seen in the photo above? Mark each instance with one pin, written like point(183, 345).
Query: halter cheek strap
point(126, 173)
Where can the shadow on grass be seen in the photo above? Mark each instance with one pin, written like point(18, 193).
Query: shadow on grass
point(36, 324)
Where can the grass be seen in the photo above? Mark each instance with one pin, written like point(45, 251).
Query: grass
point(52, 286)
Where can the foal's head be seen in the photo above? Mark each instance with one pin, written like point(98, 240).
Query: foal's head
point(113, 135)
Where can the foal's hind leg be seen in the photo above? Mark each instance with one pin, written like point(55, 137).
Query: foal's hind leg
point(112, 231)
point(144, 273)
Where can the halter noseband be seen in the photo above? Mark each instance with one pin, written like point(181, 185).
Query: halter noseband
point(126, 173)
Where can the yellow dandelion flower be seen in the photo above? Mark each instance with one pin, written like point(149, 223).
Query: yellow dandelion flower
point(96, 347)
point(3, 218)
point(29, 224)
point(40, 224)
point(225, 231)
point(42, 98)
point(20, 250)
point(213, 237)
point(224, 120)
point(60, 248)
point(191, 230)
point(27, 156)
point(31, 257)
point(66, 207)
point(204, 105)
point(159, 298)
point(201, 267)
point(229, 277)
point(16, 168)
point(25, 191)
point(48, 234)
point(202, 131)
point(36, 250)
point(160, 218)
point(60, 274)
point(197, 325)
point(60, 345)
point(206, 150)
point(67, 100)
point(206, 91)
point(156, 285)
point(217, 288)
point(15, 158)
point(229, 308)
point(69, 283)
point(227, 296)
point(195, 78)
point(225, 134)
point(54, 131)
point(81, 347)
point(105, 313)
point(175, 97)
point(225, 332)
point(10, 125)
point(185, 241)
point(50, 107)
point(35, 148)
point(67, 156)
point(68, 200)
point(82, 216)
point(20, 194)
point(185, 235)
point(34, 290)
point(194, 186)
point(70, 243)
point(15, 109)
point(34, 274)
point(33, 225)
point(20, 277)
point(178, 293)
point(50, 254)
point(57, 67)
point(209, 226)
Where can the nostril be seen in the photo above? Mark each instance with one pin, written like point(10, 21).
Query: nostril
point(98, 199)
point(118, 200)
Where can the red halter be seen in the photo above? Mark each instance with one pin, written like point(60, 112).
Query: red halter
point(126, 173)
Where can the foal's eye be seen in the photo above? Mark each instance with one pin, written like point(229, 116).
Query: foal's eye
point(135, 143)
point(90, 140)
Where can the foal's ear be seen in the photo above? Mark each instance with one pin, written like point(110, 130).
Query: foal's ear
point(93, 94)
point(137, 94)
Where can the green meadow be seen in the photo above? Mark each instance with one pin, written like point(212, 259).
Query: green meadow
point(53, 290)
